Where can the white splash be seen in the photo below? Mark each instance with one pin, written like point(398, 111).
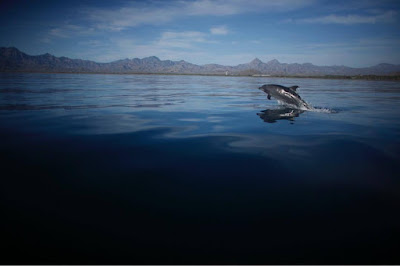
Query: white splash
point(322, 110)
point(309, 107)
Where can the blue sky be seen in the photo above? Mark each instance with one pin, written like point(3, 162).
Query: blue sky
point(352, 33)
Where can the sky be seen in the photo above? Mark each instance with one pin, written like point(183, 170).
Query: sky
point(229, 32)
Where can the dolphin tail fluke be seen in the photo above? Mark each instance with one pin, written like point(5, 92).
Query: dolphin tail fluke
point(269, 97)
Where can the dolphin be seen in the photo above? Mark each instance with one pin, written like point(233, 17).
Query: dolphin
point(286, 95)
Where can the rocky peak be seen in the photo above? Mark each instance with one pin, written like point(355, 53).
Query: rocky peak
point(152, 59)
point(9, 51)
point(256, 61)
point(273, 62)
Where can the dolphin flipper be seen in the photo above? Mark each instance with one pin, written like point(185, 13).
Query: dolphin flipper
point(269, 97)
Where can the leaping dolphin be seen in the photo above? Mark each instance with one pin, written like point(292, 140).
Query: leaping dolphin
point(286, 95)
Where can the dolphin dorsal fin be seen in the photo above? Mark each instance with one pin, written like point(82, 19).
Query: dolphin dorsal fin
point(293, 87)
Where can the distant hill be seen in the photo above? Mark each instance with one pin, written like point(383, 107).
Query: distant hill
point(11, 59)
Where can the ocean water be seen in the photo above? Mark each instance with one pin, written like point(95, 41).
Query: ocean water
point(159, 169)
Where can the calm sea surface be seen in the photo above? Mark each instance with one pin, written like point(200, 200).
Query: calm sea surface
point(150, 169)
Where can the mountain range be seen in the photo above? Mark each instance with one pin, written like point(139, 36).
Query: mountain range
point(13, 60)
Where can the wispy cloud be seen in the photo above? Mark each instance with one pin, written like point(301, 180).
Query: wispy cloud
point(172, 45)
point(154, 14)
point(385, 17)
point(183, 39)
point(219, 30)
point(67, 31)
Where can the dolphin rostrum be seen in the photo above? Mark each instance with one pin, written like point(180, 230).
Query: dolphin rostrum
point(286, 95)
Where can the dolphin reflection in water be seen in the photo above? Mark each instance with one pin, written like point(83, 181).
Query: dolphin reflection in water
point(272, 115)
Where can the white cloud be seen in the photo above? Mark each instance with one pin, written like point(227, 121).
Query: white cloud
point(385, 17)
point(219, 30)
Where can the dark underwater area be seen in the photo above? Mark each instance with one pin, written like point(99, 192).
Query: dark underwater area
point(139, 169)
